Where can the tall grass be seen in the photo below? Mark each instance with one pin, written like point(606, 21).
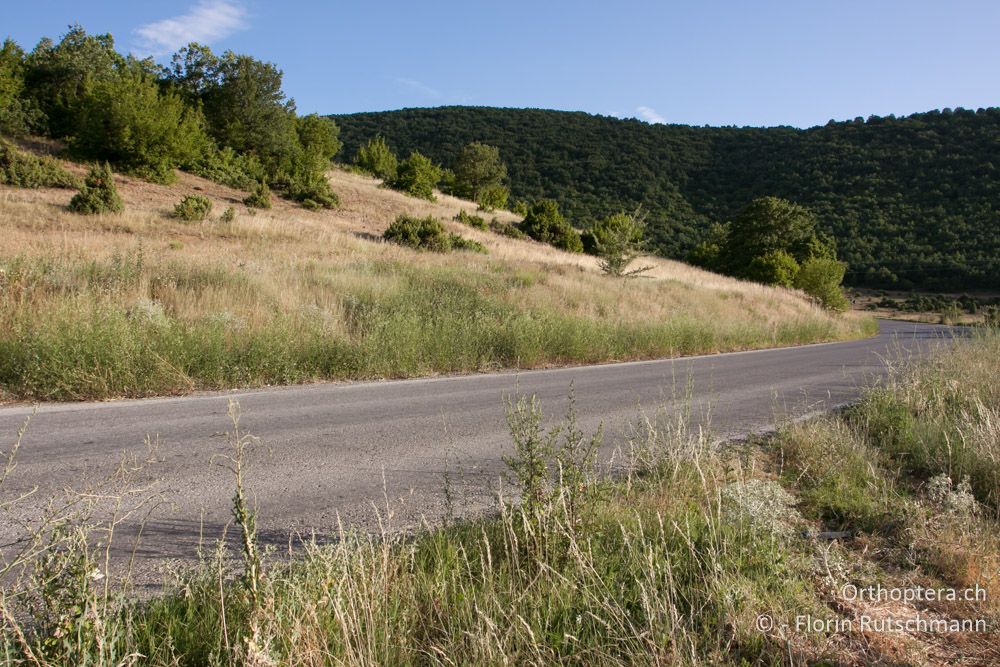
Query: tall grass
point(143, 303)
point(671, 560)
point(130, 324)
point(663, 568)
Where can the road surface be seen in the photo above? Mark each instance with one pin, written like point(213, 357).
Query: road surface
point(330, 451)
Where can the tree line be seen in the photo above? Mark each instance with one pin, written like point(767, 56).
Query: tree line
point(912, 202)
point(222, 116)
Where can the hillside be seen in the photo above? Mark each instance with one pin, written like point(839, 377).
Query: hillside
point(913, 202)
point(143, 303)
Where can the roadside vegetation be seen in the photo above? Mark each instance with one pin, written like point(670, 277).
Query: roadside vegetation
point(672, 559)
point(144, 302)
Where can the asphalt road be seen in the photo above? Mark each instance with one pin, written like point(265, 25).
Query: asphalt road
point(338, 451)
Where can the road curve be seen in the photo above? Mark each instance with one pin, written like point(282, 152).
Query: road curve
point(332, 450)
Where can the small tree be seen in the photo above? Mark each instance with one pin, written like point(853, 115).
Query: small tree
point(493, 197)
point(820, 278)
point(417, 176)
point(618, 241)
point(419, 233)
point(479, 170)
point(259, 197)
point(767, 225)
point(377, 159)
point(775, 268)
point(545, 223)
point(129, 121)
point(98, 193)
point(193, 208)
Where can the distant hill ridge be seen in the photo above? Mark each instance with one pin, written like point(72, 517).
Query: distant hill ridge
point(914, 202)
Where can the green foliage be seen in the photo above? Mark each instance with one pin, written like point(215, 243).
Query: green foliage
point(259, 197)
point(766, 226)
point(237, 170)
point(462, 243)
point(471, 220)
point(820, 278)
point(707, 253)
point(991, 316)
point(545, 223)
point(776, 267)
point(419, 233)
point(18, 114)
point(447, 182)
point(417, 176)
point(25, 170)
point(520, 208)
point(319, 138)
point(126, 120)
point(243, 101)
point(377, 159)
point(493, 197)
point(480, 175)
point(312, 190)
point(618, 241)
point(98, 193)
point(60, 77)
point(930, 178)
point(193, 208)
point(428, 234)
point(506, 229)
point(775, 242)
point(228, 215)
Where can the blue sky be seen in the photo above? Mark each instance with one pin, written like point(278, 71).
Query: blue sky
point(702, 63)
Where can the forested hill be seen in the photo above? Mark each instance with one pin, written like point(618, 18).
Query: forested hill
point(913, 202)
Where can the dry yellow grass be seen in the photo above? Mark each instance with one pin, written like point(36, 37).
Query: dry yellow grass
point(291, 263)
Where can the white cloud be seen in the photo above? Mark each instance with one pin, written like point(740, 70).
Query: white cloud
point(650, 115)
point(206, 22)
point(420, 88)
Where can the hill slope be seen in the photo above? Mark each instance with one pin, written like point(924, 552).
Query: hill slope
point(143, 303)
point(913, 202)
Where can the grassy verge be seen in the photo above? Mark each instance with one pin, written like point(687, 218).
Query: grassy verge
point(144, 303)
point(139, 324)
point(674, 560)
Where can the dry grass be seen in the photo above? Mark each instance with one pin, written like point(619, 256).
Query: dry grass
point(674, 561)
point(291, 269)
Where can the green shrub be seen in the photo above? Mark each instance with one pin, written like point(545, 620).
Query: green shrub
point(98, 193)
point(377, 159)
point(228, 215)
point(775, 268)
point(470, 220)
point(991, 316)
point(950, 314)
point(480, 174)
point(417, 176)
point(520, 208)
point(312, 190)
point(259, 197)
point(128, 120)
point(419, 233)
point(193, 208)
point(545, 223)
point(618, 240)
point(237, 170)
point(493, 197)
point(506, 229)
point(25, 170)
point(18, 115)
point(461, 243)
point(820, 278)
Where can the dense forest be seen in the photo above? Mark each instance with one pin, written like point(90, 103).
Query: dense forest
point(912, 202)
